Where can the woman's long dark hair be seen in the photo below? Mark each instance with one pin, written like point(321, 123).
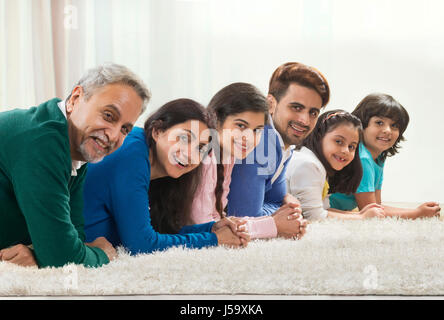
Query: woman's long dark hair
point(170, 199)
point(348, 179)
point(234, 99)
point(383, 105)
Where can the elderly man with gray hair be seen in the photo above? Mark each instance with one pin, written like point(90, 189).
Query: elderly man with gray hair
point(43, 150)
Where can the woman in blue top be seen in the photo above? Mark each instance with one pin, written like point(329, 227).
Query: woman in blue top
point(140, 196)
point(384, 121)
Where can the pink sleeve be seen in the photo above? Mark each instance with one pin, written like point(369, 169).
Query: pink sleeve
point(203, 208)
point(261, 227)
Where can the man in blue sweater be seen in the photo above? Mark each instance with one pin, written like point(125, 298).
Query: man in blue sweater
point(296, 95)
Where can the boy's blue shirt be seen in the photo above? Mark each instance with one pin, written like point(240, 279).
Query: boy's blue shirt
point(372, 176)
point(252, 192)
point(116, 204)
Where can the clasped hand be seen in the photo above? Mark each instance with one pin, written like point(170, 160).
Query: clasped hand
point(289, 221)
point(231, 232)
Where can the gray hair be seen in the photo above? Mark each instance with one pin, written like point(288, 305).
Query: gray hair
point(111, 73)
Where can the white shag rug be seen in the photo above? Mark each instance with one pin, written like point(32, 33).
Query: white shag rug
point(372, 257)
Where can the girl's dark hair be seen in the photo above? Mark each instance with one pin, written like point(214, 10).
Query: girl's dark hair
point(348, 179)
point(170, 199)
point(234, 99)
point(383, 105)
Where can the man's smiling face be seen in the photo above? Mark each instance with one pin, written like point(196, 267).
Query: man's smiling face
point(98, 125)
point(296, 113)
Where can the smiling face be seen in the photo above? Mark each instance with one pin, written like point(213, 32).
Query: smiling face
point(98, 125)
point(380, 135)
point(179, 149)
point(296, 113)
point(240, 133)
point(339, 145)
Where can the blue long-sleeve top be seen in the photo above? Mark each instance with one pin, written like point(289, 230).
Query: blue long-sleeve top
point(258, 185)
point(116, 203)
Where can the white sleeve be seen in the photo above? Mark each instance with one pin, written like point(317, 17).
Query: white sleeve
point(306, 181)
point(326, 202)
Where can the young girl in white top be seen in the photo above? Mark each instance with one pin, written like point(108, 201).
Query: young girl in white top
point(329, 162)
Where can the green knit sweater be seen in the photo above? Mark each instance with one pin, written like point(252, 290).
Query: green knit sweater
point(40, 202)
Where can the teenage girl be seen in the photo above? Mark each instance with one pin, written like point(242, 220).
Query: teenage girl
point(140, 196)
point(384, 122)
point(241, 111)
point(328, 162)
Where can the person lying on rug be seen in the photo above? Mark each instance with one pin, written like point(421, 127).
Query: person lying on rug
point(42, 154)
point(140, 196)
point(295, 97)
point(329, 161)
point(241, 111)
point(384, 121)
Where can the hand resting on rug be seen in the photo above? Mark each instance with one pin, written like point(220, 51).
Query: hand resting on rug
point(231, 232)
point(372, 210)
point(425, 210)
point(105, 245)
point(18, 254)
point(289, 221)
point(23, 255)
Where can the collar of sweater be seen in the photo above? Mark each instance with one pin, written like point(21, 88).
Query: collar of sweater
point(75, 165)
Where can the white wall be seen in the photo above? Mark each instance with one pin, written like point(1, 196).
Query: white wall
point(395, 47)
point(192, 48)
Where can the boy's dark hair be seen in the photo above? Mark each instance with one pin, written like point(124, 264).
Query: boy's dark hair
point(233, 99)
point(348, 179)
point(170, 199)
point(383, 105)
